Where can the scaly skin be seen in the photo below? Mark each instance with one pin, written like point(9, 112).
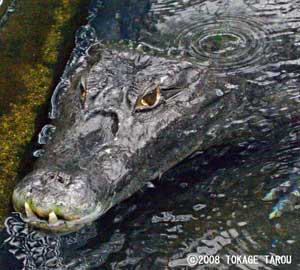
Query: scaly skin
point(107, 146)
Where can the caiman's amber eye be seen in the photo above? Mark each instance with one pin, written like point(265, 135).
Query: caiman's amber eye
point(83, 93)
point(149, 100)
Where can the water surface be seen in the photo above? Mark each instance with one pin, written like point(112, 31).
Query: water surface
point(210, 204)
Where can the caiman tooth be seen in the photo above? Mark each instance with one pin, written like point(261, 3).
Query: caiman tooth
point(52, 218)
point(28, 211)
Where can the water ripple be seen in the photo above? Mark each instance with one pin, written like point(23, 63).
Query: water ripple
point(227, 43)
point(273, 7)
point(228, 36)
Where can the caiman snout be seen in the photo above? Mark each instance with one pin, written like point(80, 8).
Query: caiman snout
point(56, 200)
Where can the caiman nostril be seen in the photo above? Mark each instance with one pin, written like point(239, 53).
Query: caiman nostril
point(63, 178)
point(60, 179)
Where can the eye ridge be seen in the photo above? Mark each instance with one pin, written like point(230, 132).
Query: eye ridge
point(149, 100)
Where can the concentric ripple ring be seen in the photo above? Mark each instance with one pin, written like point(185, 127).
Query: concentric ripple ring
point(226, 43)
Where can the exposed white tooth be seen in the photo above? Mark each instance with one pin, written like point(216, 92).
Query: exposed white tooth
point(52, 218)
point(28, 211)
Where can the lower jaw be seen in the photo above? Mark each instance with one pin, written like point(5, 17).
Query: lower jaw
point(63, 227)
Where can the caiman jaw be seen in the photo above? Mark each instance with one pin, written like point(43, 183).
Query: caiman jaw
point(55, 224)
point(68, 203)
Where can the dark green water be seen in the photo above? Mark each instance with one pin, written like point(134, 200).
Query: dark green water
point(210, 205)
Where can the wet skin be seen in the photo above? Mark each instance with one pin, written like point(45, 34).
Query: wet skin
point(128, 117)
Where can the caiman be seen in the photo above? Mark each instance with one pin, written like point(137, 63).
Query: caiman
point(130, 114)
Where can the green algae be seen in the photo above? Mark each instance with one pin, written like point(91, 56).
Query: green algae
point(34, 46)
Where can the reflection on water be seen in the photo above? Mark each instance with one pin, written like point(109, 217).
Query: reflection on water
point(39, 251)
point(210, 204)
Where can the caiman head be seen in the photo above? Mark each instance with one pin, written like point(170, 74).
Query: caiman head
point(125, 119)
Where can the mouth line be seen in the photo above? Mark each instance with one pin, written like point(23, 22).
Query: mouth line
point(55, 224)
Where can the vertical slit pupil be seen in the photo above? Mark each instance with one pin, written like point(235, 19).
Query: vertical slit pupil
point(150, 98)
point(82, 95)
point(82, 91)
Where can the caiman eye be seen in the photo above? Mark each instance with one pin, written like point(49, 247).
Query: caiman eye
point(83, 93)
point(149, 100)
